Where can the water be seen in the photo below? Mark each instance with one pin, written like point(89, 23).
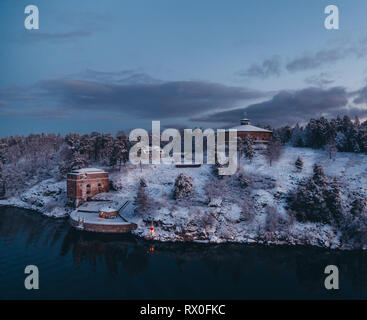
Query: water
point(77, 265)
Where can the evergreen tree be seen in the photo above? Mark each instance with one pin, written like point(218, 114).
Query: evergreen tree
point(248, 147)
point(299, 163)
point(317, 199)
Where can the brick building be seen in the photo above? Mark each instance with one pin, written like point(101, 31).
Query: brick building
point(84, 183)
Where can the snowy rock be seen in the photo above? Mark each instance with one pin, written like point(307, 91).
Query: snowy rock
point(216, 202)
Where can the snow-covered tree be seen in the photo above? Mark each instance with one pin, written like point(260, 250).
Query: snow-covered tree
point(141, 200)
point(120, 153)
point(248, 147)
point(317, 199)
point(184, 187)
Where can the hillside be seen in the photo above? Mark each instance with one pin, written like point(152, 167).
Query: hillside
point(221, 210)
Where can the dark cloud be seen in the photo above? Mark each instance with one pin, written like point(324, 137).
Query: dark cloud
point(289, 107)
point(135, 95)
point(169, 99)
point(269, 67)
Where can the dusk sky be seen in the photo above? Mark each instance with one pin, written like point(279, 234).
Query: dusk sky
point(110, 65)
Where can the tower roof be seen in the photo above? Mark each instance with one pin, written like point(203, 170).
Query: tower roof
point(246, 126)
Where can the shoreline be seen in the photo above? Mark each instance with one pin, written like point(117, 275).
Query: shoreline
point(249, 241)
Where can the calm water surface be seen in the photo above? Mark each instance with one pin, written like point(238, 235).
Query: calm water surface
point(77, 265)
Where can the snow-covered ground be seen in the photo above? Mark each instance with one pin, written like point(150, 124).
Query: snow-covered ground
point(222, 218)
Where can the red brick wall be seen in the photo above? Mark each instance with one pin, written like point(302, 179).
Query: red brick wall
point(84, 185)
point(256, 135)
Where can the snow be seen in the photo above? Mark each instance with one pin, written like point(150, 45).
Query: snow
point(90, 217)
point(221, 219)
point(249, 128)
point(87, 170)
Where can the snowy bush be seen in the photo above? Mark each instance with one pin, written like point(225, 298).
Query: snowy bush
point(184, 187)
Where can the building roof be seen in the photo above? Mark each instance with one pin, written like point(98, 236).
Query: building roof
point(87, 170)
point(249, 128)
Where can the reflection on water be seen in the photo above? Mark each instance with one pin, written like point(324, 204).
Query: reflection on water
point(81, 265)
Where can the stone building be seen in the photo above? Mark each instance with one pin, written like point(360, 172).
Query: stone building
point(83, 184)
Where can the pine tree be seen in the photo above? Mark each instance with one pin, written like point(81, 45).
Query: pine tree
point(248, 147)
point(299, 164)
point(317, 199)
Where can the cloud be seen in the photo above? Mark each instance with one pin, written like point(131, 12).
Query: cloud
point(269, 67)
point(315, 60)
point(165, 100)
point(308, 61)
point(319, 80)
point(133, 95)
point(361, 96)
point(290, 107)
point(127, 77)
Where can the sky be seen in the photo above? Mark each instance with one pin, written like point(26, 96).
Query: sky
point(117, 65)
